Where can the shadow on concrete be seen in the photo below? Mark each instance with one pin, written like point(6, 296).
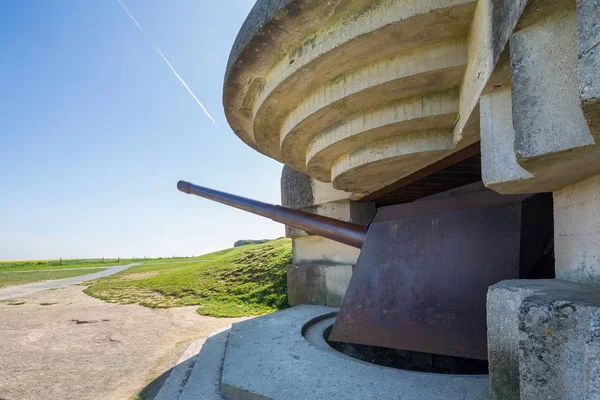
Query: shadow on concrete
point(196, 377)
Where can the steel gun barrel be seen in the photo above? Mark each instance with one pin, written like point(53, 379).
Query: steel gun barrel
point(331, 228)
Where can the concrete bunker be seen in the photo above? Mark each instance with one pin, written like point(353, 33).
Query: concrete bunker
point(464, 135)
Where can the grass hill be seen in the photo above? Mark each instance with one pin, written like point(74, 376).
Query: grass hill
point(242, 281)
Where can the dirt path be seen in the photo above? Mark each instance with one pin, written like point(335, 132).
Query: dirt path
point(12, 292)
point(84, 348)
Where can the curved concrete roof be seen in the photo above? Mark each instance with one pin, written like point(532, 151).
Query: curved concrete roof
point(359, 93)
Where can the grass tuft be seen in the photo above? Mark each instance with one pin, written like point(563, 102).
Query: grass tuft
point(242, 281)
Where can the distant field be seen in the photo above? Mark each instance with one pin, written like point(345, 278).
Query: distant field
point(9, 278)
point(21, 272)
point(57, 264)
point(242, 281)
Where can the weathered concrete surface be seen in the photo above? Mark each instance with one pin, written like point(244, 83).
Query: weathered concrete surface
point(555, 142)
point(553, 333)
point(500, 168)
point(321, 268)
point(416, 114)
point(316, 249)
point(300, 191)
point(592, 360)
point(204, 381)
point(544, 65)
point(299, 68)
point(577, 231)
point(268, 358)
point(296, 189)
point(319, 86)
point(503, 304)
point(319, 284)
point(337, 279)
point(306, 284)
point(375, 163)
point(540, 332)
point(346, 43)
point(175, 383)
point(588, 30)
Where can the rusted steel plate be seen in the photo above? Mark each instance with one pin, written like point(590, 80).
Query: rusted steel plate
point(422, 276)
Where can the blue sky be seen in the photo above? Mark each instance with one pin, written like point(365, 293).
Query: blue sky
point(95, 131)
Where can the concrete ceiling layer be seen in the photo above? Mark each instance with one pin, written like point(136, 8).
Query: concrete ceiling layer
point(360, 93)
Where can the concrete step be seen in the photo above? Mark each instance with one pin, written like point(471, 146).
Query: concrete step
point(197, 375)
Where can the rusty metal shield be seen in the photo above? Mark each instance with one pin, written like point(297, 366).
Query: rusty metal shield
point(421, 280)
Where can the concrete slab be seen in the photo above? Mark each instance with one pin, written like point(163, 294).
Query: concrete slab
point(337, 279)
point(175, 383)
point(319, 250)
point(542, 339)
point(268, 358)
point(204, 382)
point(577, 231)
point(544, 66)
point(503, 302)
point(306, 284)
point(588, 38)
point(499, 165)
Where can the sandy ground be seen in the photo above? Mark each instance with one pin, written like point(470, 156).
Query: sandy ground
point(84, 348)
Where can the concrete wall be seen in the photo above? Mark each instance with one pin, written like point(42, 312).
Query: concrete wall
point(545, 136)
point(577, 231)
point(316, 249)
point(321, 268)
point(539, 133)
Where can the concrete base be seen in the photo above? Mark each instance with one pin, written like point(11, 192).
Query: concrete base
point(543, 340)
point(577, 231)
point(268, 358)
point(197, 375)
point(318, 284)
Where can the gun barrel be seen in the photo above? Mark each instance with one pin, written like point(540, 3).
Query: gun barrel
point(331, 228)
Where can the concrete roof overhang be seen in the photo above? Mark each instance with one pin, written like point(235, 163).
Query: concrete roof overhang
point(359, 93)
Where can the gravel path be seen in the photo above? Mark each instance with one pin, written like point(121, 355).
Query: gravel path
point(79, 347)
point(12, 292)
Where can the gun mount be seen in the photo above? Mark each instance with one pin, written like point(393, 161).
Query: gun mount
point(413, 286)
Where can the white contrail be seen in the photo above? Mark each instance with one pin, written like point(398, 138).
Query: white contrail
point(185, 85)
point(131, 16)
point(170, 66)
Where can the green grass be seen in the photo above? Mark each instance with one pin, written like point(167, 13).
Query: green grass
point(242, 281)
point(56, 264)
point(9, 278)
point(32, 265)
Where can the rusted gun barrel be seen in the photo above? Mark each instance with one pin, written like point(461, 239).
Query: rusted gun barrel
point(331, 228)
